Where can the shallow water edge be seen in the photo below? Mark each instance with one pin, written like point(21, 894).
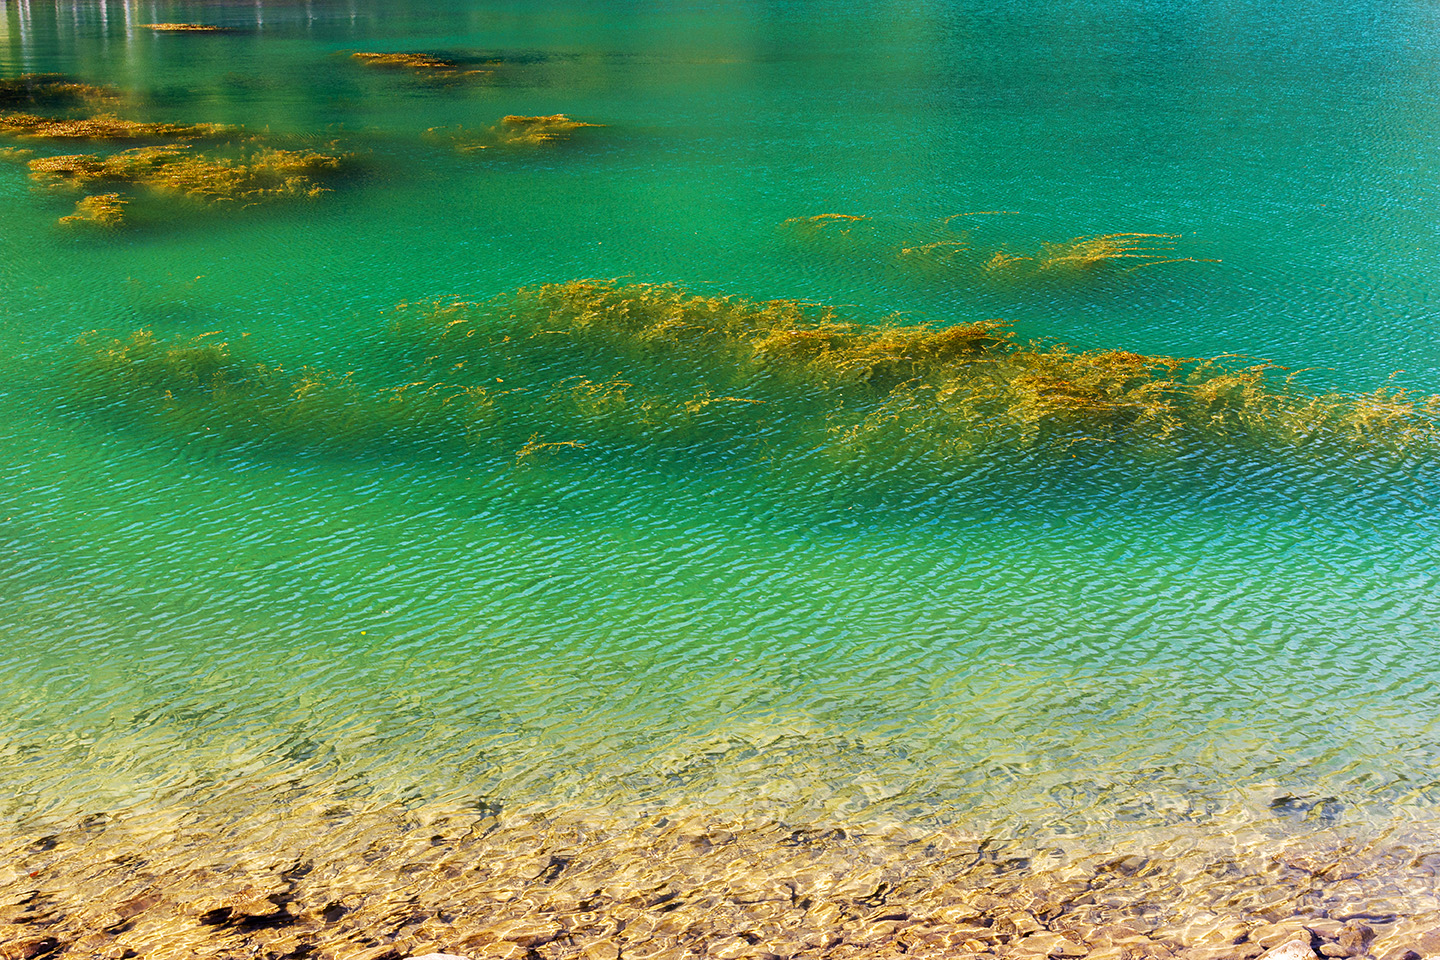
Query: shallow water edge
point(325, 877)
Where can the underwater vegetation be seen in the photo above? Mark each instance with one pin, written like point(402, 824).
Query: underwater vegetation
point(511, 131)
point(1104, 248)
point(84, 112)
point(51, 90)
point(946, 252)
point(410, 61)
point(420, 63)
point(841, 222)
point(107, 126)
point(960, 386)
point(255, 174)
point(248, 173)
point(515, 129)
point(235, 167)
point(197, 386)
point(104, 210)
point(185, 28)
point(590, 366)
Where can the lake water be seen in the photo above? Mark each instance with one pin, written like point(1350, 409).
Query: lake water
point(1023, 643)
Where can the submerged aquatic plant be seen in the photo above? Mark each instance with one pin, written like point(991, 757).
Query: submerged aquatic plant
point(197, 385)
point(954, 387)
point(517, 129)
point(841, 231)
point(105, 210)
point(107, 126)
point(427, 67)
point(940, 250)
point(185, 28)
point(419, 63)
point(258, 175)
point(535, 445)
point(938, 254)
point(1086, 252)
point(511, 131)
point(51, 90)
point(412, 61)
point(823, 221)
point(592, 366)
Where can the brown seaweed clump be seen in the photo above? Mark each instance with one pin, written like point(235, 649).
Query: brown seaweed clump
point(938, 254)
point(104, 210)
point(822, 221)
point(1078, 255)
point(407, 61)
point(946, 390)
point(944, 251)
point(107, 127)
point(511, 131)
point(422, 65)
point(1087, 252)
point(836, 229)
point(257, 176)
point(51, 90)
point(185, 28)
point(538, 130)
point(197, 385)
point(590, 366)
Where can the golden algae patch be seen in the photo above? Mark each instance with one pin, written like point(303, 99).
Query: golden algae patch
point(955, 384)
point(1103, 248)
point(956, 248)
point(517, 129)
point(1001, 261)
point(511, 131)
point(536, 445)
point(51, 90)
point(937, 255)
point(185, 28)
point(197, 386)
point(426, 67)
point(821, 222)
point(409, 61)
point(837, 233)
point(298, 875)
point(250, 176)
point(1079, 255)
point(105, 210)
point(106, 126)
point(590, 366)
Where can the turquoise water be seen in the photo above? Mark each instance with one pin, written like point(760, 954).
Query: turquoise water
point(1027, 642)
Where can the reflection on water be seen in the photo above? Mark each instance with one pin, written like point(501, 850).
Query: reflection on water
point(907, 505)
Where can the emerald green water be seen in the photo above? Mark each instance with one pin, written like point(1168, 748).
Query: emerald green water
point(1030, 643)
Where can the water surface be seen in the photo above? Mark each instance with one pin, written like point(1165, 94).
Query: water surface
point(1022, 644)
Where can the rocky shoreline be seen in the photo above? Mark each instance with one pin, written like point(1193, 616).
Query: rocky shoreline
point(341, 881)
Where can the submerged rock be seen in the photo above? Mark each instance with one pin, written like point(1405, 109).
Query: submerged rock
point(1298, 949)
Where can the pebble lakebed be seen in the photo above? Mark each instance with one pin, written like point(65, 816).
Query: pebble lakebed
point(337, 878)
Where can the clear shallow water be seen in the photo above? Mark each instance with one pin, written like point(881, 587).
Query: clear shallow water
point(1023, 644)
